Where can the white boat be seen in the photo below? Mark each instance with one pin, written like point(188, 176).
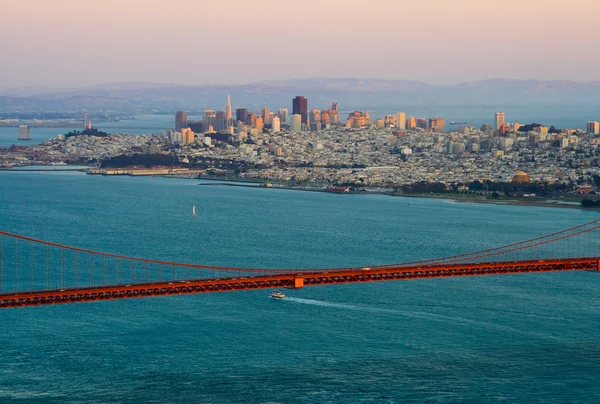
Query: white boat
point(277, 295)
point(194, 211)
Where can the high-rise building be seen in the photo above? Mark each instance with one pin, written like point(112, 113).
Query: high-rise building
point(300, 107)
point(24, 132)
point(276, 125)
point(259, 124)
point(251, 119)
point(422, 123)
point(265, 114)
point(283, 115)
point(209, 116)
point(411, 123)
point(228, 114)
point(401, 120)
point(219, 120)
point(187, 136)
point(593, 128)
point(296, 124)
point(436, 124)
point(241, 114)
point(499, 120)
point(315, 116)
point(180, 120)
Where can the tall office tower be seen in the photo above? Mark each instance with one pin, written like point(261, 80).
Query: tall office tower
point(180, 120)
point(265, 114)
point(187, 136)
point(335, 107)
point(24, 133)
point(315, 116)
point(436, 124)
point(499, 120)
point(85, 120)
point(259, 124)
point(251, 119)
point(219, 120)
point(411, 123)
point(296, 124)
point(283, 115)
point(276, 125)
point(241, 114)
point(593, 128)
point(422, 123)
point(209, 116)
point(401, 120)
point(228, 114)
point(300, 107)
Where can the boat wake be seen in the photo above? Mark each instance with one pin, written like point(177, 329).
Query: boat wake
point(323, 303)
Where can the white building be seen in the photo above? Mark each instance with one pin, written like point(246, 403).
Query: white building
point(276, 125)
point(296, 124)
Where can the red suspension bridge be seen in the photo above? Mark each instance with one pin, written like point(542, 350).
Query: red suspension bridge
point(36, 272)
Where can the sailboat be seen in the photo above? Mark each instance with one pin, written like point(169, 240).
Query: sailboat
point(194, 211)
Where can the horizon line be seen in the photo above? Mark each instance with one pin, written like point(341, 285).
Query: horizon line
point(145, 82)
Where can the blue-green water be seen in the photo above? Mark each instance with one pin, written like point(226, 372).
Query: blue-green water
point(518, 338)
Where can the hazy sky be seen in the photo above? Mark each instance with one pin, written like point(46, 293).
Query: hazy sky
point(80, 42)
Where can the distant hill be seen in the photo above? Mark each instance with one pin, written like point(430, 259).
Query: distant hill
point(352, 93)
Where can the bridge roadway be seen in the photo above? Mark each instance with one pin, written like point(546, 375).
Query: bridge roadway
point(293, 280)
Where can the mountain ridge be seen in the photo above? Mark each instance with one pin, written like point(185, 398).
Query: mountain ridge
point(353, 92)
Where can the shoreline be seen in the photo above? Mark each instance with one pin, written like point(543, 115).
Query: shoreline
point(510, 202)
point(263, 185)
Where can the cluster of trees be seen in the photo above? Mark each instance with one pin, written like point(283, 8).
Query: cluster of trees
point(494, 188)
point(510, 188)
point(87, 132)
point(532, 126)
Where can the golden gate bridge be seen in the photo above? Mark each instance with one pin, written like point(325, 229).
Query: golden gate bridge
point(36, 272)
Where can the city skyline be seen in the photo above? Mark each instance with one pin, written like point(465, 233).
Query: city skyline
point(46, 47)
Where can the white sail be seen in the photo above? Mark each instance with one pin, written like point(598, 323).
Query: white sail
point(194, 210)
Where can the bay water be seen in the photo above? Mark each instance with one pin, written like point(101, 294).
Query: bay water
point(514, 338)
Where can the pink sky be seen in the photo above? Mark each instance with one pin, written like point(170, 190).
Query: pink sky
point(80, 42)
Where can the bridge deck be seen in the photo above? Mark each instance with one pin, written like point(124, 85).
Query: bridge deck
point(291, 280)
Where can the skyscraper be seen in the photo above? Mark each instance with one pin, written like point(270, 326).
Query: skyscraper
point(315, 115)
point(220, 120)
point(296, 125)
point(265, 114)
point(275, 125)
point(300, 107)
point(436, 124)
point(228, 113)
point(401, 120)
point(499, 120)
point(241, 114)
point(283, 115)
point(180, 120)
point(209, 118)
point(593, 128)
